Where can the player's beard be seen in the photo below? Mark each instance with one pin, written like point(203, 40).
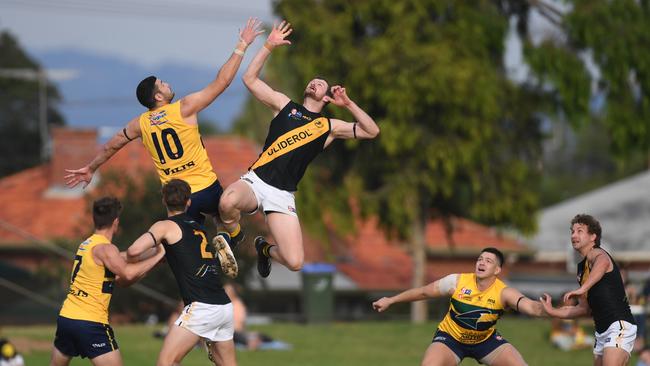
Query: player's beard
point(309, 93)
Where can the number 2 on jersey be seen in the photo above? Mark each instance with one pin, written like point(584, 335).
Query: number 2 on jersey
point(204, 245)
point(164, 136)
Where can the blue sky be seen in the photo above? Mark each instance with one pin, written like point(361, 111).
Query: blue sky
point(148, 32)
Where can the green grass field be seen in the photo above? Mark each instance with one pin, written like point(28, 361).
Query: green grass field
point(363, 343)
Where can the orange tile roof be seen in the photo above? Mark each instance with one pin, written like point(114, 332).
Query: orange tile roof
point(27, 208)
point(367, 257)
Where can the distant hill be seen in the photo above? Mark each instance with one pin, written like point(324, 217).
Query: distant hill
point(103, 93)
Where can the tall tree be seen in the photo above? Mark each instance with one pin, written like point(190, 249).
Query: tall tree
point(458, 138)
point(20, 142)
point(613, 37)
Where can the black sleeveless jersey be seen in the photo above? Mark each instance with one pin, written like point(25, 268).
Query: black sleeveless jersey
point(195, 264)
point(295, 137)
point(607, 298)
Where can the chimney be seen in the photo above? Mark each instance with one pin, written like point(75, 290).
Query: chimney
point(71, 149)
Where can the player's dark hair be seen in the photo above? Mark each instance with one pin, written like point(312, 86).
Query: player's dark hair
point(496, 252)
point(593, 226)
point(176, 193)
point(105, 211)
point(146, 91)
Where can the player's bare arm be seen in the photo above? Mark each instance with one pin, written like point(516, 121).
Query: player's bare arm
point(442, 287)
point(125, 273)
point(566, 312)
point(146, 245)
point(262, 91)
point(520, 303)
point(195, 102)
point(118, 141)
point(600, 263)
point(365, 126)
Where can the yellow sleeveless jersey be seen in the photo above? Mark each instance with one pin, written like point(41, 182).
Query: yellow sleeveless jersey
point(176, 147)
point(91, 285)
point(473, 314)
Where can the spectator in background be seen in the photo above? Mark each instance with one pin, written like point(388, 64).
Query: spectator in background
point(637, 307)
point(8, 354)
point(243, 338)
point(644, 357)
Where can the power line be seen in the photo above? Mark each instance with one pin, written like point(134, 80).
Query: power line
point(151, 9)
point(156, 295)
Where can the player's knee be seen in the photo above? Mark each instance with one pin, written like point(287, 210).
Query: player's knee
point(228, 201)
point(295, 264)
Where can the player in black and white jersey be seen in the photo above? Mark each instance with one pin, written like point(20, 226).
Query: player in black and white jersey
point(297, 134)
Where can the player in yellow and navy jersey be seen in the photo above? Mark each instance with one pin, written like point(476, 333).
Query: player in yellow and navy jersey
point(170, 133)
point(82, 326)
point(297, 134)
point(477, 302)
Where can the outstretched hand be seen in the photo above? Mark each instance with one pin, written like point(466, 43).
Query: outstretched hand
point(340, 97)
point(546, 303)
point(575, 293)
point(279, 33)
point(76, 176)
point(381, 304)
point(251, 31)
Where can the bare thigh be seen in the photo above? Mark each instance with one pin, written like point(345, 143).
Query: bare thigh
point(613, 357)
point(113, 358)
point(223, 353)
point(178, 342)
point(286, 231)
point(58, 358)
point(505, 355)
point(438, 354)
point(240, 196)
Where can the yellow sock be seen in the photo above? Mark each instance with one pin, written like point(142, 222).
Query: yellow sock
point(236, 231)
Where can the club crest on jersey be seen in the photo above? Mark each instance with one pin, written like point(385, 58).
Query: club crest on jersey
point(158, 118)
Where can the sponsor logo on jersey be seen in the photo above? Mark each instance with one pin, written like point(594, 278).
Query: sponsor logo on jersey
point(98, 345)
point(158, 118)
point(465, 291)
point(291, 209)
point(440, 338)
point(491, 301)
point(290, 140)
point(178, 169)
point(295, 114)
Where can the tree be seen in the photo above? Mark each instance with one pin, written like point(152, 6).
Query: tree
point(613, 35)
point(20, 144)
point(458, 138)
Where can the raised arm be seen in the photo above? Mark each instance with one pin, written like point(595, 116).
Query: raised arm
point(442, 287)
point(364, 127)
point(195, 102)
point(520, 303)
point(143, 246)
point(566, 312)
point(600, 264)
point(125, 273)
point(118, 141)
point(262, 91)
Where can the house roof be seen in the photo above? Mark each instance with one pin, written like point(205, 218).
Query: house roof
point(33, 204)
point(623, 209)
